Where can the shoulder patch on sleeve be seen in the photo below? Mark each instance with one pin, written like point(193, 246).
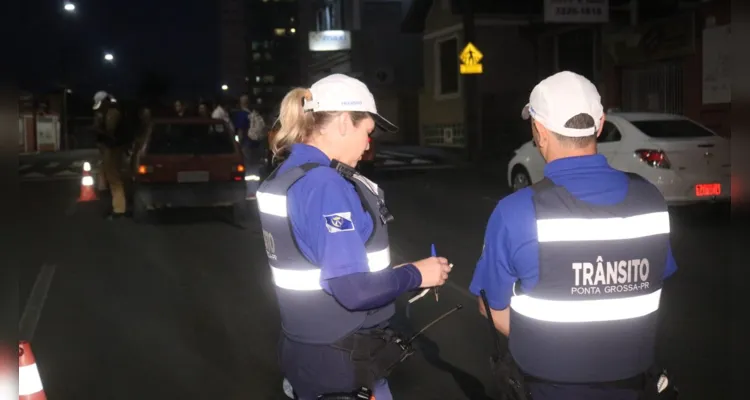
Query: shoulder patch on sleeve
point(339, 222)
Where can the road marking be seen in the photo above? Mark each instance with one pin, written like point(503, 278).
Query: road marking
point(43, 178)
point(415, 167)
point(394, 162)
point(33, 309)
point(421, 161)
point(78, 164)
point(397, 154)
point(24, 167)
point(53, 164)
point(66, 172)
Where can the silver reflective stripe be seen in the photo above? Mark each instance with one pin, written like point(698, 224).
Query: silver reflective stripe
point(309, 279)
point(582, 229)
point(272, 204)
point(29, 381)
point(586, 310)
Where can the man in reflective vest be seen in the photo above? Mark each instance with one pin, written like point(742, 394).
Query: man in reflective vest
point(575, 263)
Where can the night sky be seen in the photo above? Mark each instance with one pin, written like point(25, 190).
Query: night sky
point(170, 37)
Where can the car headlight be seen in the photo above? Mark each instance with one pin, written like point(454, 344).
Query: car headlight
point(87, 166)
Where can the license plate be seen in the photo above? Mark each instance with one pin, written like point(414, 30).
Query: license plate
point(708, 189)
point(192, 176)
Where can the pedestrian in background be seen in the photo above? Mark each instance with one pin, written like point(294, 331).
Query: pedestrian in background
point(112, 143)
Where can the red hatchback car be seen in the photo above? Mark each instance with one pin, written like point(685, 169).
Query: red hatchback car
point(189, 162)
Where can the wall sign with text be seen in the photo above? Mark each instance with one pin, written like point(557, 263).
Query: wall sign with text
point(576, 11)
point(329, 40)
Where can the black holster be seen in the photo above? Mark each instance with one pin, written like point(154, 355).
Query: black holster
point(374, 353)
point(509, 377)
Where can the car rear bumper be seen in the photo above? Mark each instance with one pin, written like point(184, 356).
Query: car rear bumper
point(204, 194)
point(682, 191)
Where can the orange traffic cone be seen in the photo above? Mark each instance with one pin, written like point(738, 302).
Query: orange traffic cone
point(88, 192)
point(29, 382)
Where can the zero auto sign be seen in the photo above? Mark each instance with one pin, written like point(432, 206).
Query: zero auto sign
point(329, 40)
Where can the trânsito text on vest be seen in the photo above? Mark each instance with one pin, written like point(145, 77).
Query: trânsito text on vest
point(610, 277)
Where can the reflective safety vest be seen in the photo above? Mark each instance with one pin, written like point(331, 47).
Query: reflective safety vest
point(308, 313)
point(592, 316)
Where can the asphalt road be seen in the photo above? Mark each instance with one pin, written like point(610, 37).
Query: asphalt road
point(184, 309)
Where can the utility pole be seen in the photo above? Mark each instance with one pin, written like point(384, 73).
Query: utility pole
point(470, 95)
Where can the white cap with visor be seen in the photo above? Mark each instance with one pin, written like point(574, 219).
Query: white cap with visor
point(562, 96)
point(339, 92)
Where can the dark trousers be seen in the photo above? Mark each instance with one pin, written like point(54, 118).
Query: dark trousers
point(549, 391)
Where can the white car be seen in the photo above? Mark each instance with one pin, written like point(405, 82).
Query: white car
point(685, 160)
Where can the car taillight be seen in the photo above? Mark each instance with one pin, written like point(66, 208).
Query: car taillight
point(238, 172)
point(654, 158)
point(145, 169)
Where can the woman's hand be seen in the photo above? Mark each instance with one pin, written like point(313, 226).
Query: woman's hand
point(434, 271)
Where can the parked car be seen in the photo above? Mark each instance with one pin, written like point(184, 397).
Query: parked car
point(190, 162)
point(687, 162)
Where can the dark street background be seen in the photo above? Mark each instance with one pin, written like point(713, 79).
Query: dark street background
point(184, 308)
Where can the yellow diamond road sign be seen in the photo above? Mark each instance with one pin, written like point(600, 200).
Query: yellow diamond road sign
point(471, 59)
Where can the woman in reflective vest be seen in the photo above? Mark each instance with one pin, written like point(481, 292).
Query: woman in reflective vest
point(326, 238)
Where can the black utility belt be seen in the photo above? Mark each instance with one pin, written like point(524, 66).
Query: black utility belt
point(374, 353)
point(637, 382)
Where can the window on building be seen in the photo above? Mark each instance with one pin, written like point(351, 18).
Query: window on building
point(259, 100)
point(268, 56)
point(269, 90)
point(257, 79)
point(268, 79)
point(279, 31)
point(266, 44)
point(447, 67)
point(256, 45)
point(257, 90)
point(256, 56)
point(610, 133)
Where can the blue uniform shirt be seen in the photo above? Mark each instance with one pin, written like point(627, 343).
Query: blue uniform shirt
point(241, 121)
point(328, 220)
point(511, 250)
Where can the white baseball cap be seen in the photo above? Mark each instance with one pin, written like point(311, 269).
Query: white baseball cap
point(339, 92)
point(561, 97)
point(99, 98)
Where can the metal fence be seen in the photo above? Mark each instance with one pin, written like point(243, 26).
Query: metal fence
point(654, 88)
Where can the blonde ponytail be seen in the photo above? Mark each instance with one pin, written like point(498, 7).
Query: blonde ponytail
point(296, 125)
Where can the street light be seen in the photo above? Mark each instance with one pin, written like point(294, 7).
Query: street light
point(109, 57)
point(224, 87)
point(69, 7)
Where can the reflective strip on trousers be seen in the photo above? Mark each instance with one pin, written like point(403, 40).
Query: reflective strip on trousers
point(29, 381)
point(586, 310)
point(592, 229)
point(309, 279)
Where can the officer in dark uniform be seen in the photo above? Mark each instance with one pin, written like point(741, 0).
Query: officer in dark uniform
point(326, 237)
point(113, 143)
point(575, 263)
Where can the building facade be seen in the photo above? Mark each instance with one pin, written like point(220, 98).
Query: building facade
point(643, 56)
point(365, 39)
point(272, 48)
point(232, 47)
